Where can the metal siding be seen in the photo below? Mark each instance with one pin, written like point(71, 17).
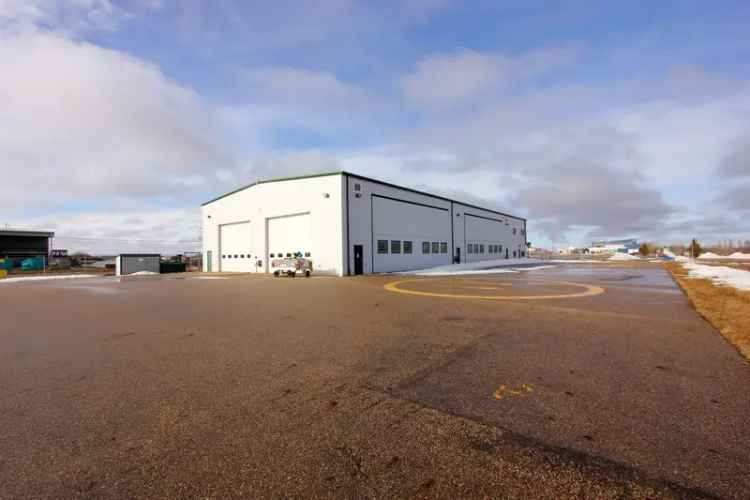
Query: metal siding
point(130, 264)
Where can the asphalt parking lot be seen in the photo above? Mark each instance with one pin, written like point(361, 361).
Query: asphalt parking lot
point(568, 382)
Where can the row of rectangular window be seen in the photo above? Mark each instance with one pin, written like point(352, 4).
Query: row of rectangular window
point(479, 248)
point(242, 256)
point(288, 254)
point(398, 247)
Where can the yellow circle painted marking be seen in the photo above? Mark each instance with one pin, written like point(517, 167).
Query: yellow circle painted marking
point(589, 291)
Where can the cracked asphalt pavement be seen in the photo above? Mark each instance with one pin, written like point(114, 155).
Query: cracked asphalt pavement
point(254, 387)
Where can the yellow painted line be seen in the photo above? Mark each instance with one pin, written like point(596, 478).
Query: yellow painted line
point(504, 390)
point(589, 291)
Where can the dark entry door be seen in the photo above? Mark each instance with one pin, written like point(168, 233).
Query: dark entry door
point(457, 258)
point(208, 261)
point(358, 259)
point(506, 253)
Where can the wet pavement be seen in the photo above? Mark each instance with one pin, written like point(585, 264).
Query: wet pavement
point(251, 386)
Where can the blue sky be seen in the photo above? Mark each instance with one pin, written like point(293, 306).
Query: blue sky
point(592, 119)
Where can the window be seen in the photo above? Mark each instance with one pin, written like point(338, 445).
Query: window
point(407, 246)
point(425, 247)
point(470, 248)
point(307, 254)
point(357, 186)
point(382, 246)
point(435, 247)
point(288, 254)
point(514, 254)
point(395, 246)
point(481, 248)
point(444, 247)
point(500, 249)
point(235, 256)
point(272, 256)
point(223, 256)
point(514, 230)
point(523, 232)
point(242, 256)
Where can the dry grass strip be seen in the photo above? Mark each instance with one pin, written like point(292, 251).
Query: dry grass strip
point(727, 308)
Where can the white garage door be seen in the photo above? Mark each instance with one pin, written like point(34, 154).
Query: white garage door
point(235, 245)
point(288, 235)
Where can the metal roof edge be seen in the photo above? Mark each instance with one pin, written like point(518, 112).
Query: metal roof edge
point(369, 179)
point(277, 179)
point(30, 233)
point(424, 193)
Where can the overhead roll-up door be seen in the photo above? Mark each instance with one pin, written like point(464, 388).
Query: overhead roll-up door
point(236, 249)
point(289, 234)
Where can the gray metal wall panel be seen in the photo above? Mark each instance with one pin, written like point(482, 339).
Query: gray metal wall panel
point(135, 263)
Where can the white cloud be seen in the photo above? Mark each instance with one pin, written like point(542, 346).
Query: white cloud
point(72, 17)
point(312, 89)
point(162, 231)
point(447, 78)
point(85, 122)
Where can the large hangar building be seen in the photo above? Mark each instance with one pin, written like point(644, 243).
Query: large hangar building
point(350, 224)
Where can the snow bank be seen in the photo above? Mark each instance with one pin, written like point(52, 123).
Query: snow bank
point(48, 277)
point(141, 273)
point(740, 256)
point(722, 275)
point(575, 261)
point(709, 255)
point(484, 267)
point(624, 256)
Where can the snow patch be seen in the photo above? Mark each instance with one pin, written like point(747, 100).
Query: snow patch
point(624, 256)
point(141, 273)
point(740, 256)
point(483, 267)
point(709, 255)
point(575, 261)
point(46, 278)
point(721, 275)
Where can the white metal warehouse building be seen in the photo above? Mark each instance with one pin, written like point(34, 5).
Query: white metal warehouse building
point(350, 224)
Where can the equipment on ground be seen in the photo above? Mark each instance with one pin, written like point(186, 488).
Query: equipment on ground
point(292, 266)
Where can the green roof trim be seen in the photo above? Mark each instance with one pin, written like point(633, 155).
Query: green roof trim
point(277, 179)
point(368, 179)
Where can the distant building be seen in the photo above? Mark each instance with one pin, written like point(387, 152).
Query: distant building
point(615, 246)
point(17, 246)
